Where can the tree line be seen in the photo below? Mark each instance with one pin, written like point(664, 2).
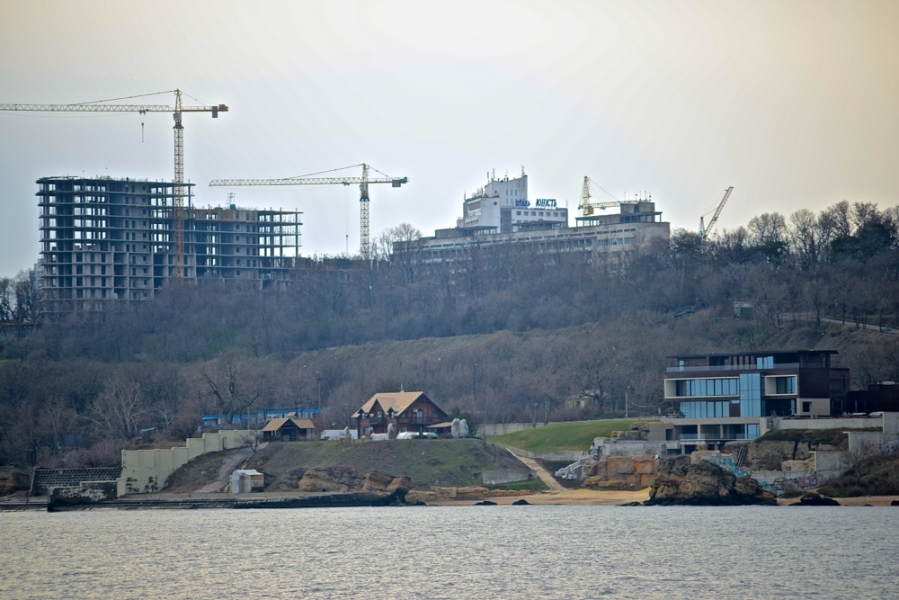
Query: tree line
point(502, 333)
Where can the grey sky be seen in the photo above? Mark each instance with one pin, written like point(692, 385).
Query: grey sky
point(795, 103)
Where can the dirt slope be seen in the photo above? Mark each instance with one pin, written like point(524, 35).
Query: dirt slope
point(425, 462)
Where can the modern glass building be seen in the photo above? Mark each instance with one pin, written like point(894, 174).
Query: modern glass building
point(716, 398)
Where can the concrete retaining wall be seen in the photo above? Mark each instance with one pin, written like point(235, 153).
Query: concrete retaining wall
point(491, 429)
point(838, 423)
point(44, 479)
point(557, 456)
point(780, 482)
point(146, 471)
point(501, 477)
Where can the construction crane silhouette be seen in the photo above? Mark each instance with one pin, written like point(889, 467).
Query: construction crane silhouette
point(587, 208)
point(177, 111)
point(704, 231)
point(363, 182)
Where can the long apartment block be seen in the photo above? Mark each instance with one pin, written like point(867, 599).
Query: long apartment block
point(105, 238)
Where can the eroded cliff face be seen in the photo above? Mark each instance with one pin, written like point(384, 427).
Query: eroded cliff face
point(621, 472)
point(348, 479)
point(680, 481)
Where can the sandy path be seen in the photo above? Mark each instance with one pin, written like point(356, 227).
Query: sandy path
point(229, 465)
point(544, 475)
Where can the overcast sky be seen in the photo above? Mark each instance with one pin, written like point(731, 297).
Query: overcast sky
point(794, 103)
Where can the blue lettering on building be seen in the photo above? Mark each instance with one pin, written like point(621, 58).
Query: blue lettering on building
point(524, 203)
point(546, 203)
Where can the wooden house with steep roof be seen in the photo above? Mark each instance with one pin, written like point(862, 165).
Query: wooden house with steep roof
point(290, 429)
point(408, 411)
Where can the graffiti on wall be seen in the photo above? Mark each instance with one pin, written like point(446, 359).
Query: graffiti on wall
point(726, 462)
point(791, 482)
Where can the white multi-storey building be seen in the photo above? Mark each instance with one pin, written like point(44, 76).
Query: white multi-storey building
point(503, 206)
point(500, 213)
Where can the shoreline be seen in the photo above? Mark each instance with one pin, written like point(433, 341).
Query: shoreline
point(568, 497)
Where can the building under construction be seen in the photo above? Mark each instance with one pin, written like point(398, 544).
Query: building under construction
point(105, 238)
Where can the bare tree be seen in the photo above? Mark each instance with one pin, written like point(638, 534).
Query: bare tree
point(230, 386)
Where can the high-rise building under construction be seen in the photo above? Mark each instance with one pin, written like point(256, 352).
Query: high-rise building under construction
point(106, 238)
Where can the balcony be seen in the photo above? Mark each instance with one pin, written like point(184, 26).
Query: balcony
point(718, 368)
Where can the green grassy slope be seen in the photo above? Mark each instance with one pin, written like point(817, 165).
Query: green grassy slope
point(577, 435)
point(425, 462)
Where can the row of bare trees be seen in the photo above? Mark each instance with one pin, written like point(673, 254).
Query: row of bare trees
point(501, 333)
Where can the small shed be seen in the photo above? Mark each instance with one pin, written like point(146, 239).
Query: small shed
point(247, 480)
point(289, 429)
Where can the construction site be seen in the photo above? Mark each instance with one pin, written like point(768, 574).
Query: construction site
point(105, 238)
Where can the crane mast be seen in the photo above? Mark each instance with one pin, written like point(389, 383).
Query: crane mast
point(177, 112)
point(704, 231)
point(364, 200)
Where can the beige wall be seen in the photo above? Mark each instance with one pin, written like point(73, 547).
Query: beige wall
point(146, 471)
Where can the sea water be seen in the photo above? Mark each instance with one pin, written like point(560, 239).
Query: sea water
point(454, 552)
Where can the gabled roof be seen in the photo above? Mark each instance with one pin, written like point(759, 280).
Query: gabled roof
point(276, 424)
point(398, 401)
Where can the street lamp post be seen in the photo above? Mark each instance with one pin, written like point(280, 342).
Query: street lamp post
point(625, 402)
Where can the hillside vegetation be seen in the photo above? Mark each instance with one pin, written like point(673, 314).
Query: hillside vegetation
point(874, 476)
point(493, 333)
point(450, 463)
point(576, 435)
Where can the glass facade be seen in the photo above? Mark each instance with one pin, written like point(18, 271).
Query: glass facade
point(750, 395)
point(705, 409)
point(707, 387)
point(764, 362)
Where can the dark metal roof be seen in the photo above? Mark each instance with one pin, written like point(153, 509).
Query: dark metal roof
point(755, 353)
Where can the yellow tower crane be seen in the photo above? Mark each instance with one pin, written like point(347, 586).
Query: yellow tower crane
point(363, 182)
point(587, 208)
point(177, 111)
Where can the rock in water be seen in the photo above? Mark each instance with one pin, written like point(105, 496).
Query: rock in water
point(703, 483)
point(813, 499)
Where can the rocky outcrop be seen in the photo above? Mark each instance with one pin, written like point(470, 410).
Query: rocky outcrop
point(89, 492)
point(331, 479)
point(812, 499)
point(13, 480)
point(348, 479)
point(680, 481)
point(617, 472)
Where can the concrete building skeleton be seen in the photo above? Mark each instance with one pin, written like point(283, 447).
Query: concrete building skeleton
point(105, 238)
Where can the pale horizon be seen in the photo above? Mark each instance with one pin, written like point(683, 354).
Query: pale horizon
point(792, 103)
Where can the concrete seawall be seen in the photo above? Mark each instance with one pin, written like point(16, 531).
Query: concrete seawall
point(146, 471)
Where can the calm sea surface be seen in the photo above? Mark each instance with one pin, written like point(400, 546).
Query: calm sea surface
point(454, 552)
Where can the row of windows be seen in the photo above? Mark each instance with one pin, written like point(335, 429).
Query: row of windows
point(707, 387)
point(718, 409)
point(711, 409)
point(534, 213)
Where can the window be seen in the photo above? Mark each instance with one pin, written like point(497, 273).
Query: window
point(785, 385)
point(806, 407)
point(750, 395)
point(764, 362)
point(706, 387)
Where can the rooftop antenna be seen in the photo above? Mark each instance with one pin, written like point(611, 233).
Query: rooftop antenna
point(401, 388)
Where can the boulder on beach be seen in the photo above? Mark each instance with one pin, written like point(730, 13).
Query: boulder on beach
point(682, 482)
